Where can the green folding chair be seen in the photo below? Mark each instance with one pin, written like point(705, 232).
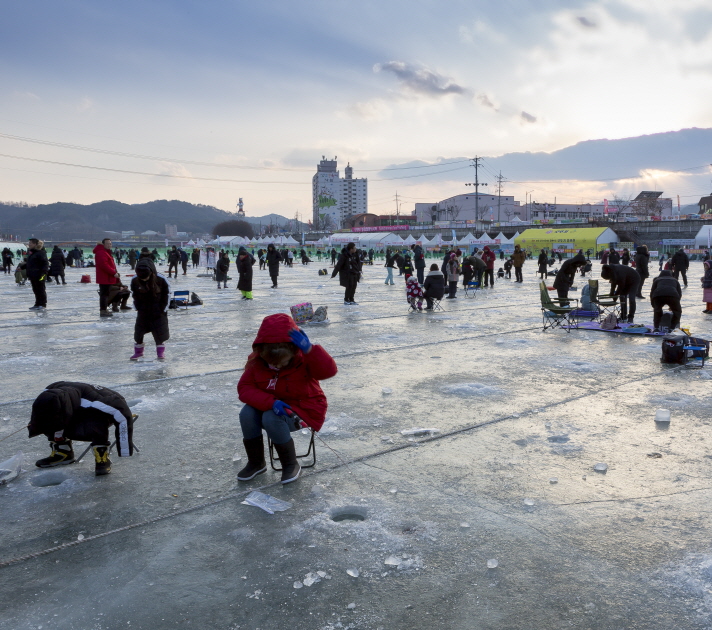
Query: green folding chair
point(557, 312)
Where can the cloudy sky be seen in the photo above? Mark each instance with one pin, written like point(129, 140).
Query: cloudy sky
point(210, 101)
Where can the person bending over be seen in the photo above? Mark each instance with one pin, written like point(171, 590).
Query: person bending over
point(67, 411)
point(624, 284)
point(666, 291)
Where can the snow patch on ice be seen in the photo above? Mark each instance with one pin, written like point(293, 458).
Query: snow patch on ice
point(471, 389)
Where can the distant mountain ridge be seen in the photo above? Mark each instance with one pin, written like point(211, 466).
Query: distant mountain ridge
point(110, 215)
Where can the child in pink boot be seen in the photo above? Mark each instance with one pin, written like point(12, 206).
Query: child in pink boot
point(151, 295)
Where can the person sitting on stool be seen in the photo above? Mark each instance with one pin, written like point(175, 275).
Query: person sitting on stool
point(624, 284)
point(666, 291)
point(67, 411)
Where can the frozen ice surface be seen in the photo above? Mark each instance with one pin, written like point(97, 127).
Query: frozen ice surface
point(225, 565)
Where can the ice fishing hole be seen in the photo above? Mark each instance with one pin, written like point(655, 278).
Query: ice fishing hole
point(44, 480)
point(349, 513)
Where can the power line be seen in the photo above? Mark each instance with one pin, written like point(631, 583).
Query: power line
point(139, 156)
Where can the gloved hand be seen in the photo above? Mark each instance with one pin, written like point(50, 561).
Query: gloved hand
point(299, 338)
point(280, 408)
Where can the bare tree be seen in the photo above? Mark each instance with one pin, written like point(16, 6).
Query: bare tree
point(619, 205)
point(508, 212)
point(453, 211)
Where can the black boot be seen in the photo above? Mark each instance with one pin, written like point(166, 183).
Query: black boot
point(101, 456)
point(256, 465)
point(288, 458)
point(62, 453)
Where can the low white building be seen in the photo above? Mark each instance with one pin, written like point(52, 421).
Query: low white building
point(466, 207)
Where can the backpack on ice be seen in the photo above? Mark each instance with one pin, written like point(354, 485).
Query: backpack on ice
point(610, 322)
point(666, 322)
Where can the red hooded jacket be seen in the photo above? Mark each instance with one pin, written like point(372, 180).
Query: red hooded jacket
point(105, 266)
point(297, 384)
point(488, 256)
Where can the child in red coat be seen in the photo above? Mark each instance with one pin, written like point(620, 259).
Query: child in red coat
point(280, 381)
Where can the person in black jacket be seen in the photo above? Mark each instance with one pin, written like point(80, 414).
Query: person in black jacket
point(132, 258)
point(407, 267)
point(333, 256)
point(273, 260)
point(244, 268)
point(195, 257)
point(434, 286)
point(389, 265)
point(222, 266)
point(624, 283)
point(680, 264)
point(625, 258)
point(543, 262)
point(57, 264)
point(419, 262)
point(7, 259)
point(37, 269)
point(614, 258)
point(642, 258)
point(349, 269)
point(173, 261)
point(566, 274)
point(666, 291)
point(67, 411)
point(151, 295)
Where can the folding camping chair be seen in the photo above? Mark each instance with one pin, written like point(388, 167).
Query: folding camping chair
point(310, 451)
point(436, 305)
point(181, 299)
point(471, 288)
point(86, 450)
point(606, 304)
point(557, 312)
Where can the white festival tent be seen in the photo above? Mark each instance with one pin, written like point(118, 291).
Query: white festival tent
point(409, 240)
point(290, 241)
point(703, 239)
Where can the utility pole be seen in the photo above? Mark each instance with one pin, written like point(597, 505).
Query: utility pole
point(397, 209)
point(499, 196)
point(476, 184)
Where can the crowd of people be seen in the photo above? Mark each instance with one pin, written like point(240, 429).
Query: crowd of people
point(280, 384)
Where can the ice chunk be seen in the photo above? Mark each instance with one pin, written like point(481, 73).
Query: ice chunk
point(351, 606)
point(387, 390)
point(662, 415)
point(80, 537)
point(464, 525)
point(528, 502)
point(312, 578)
point(266, 502)
point(352, 572)
point(553, 480)
point(429, 431)
point(492, 563)
point(10, 468)
point(600, 467)
point(298, 584)
point(392, 561)
point(202, 388)
point(236, 457)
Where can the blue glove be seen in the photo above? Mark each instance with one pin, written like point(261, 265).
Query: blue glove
point(299, 338)
point(280, 408)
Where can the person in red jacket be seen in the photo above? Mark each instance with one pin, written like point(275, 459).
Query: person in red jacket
point(106, 274)
point(488, 256)
point(281, 381)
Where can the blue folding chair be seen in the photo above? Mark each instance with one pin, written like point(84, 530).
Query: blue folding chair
point(181, 299)
point(471, 288)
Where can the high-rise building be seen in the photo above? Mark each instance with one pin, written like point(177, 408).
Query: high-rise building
point(171, 231)
point(335, 198)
